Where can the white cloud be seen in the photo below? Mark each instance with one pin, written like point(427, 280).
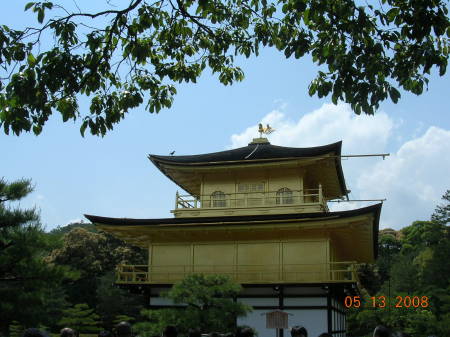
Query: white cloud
point(328, 124)
point(412, 179)
point(280, 103)
point(78, 220)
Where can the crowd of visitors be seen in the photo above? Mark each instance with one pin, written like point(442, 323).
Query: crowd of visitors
point(123, 329)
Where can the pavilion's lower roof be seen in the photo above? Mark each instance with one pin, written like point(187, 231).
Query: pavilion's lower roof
point(232, 219)
point(346, 225)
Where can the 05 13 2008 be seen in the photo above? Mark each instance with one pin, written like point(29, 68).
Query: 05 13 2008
point(383, 302)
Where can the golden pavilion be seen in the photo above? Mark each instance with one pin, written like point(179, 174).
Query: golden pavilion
point(259, 214)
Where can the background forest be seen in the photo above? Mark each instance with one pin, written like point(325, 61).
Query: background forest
point(65, 277)
point(413, 261)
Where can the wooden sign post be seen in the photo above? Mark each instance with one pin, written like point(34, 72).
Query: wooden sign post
point(277, 320)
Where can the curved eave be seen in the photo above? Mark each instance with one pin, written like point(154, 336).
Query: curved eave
point(253, 153)
point(118, 225)
point(340, 174)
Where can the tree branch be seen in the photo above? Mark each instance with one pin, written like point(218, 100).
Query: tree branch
point(185, 14)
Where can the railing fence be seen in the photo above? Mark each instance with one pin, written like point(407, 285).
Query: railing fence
point(250, 199)
point(302, 273)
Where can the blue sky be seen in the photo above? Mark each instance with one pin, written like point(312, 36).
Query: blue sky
point(112, 176)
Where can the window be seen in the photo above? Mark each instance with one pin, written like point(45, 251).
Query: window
point(218, 199)
point(251, 187)
point(284, 196)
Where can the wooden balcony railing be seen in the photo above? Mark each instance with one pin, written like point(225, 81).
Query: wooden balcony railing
point(252, 199)
point(288, 273)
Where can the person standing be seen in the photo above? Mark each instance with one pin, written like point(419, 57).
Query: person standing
point(104, 333)
point(194, 332)
point(299, 331)
point(170, 331)
point(382, 331)
point(67, 332)
point(33, 332)
point(123, 329)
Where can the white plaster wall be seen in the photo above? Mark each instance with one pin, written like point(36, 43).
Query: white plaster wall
point(315, 321)
point(257, 320)
point(259, 301)
point(305, 301)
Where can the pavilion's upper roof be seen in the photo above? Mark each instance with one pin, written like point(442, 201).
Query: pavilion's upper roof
point(255, 152)
point(259, 152)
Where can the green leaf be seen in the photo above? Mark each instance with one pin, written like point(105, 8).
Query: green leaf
point(41, 15)
point(392, 13)
point(31, 60)
point(395, 94)
point(442, 68)
point(37, 129)
point(306, 16)
point(288, 51)
point(334, 99)
point(312, 88)
point(29, 5)
point(301, 6)
point(83, 128)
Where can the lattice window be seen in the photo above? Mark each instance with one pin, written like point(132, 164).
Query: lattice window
point(251, 187)
point(284, 196)
point(218, 199)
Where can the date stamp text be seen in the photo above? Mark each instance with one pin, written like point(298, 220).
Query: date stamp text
point(382, 302)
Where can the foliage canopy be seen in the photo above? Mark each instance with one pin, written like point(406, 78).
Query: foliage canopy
point(367, 52)
point(81, 318)
point(25, 277)
point(412, 262)
point(209, 305)
point(36, 287)
point(94, 256)
point(210, 301)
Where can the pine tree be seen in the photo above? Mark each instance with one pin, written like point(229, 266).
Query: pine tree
point(10, 218)
point(81, 318)
point(24, 274)
point(123, 318)
point(442, 212)
point(15, 329)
